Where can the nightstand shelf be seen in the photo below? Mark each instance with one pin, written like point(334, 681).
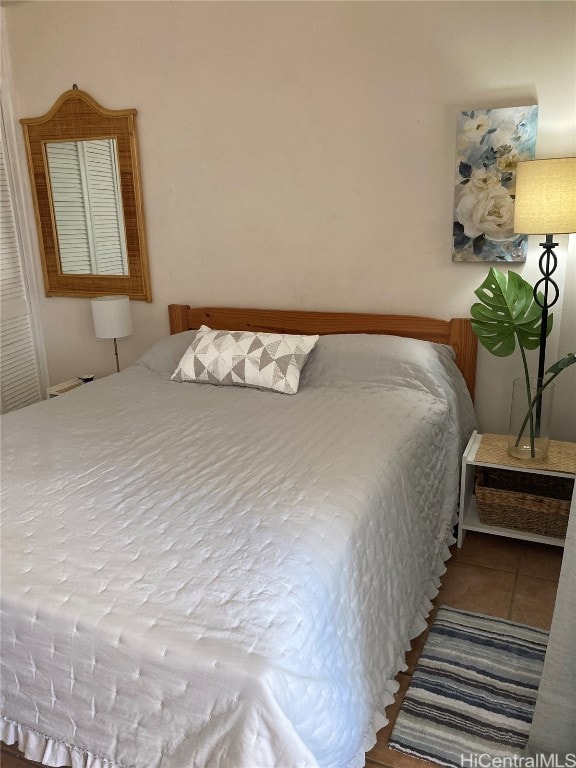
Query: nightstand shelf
point(491, 451)
point(65, 386)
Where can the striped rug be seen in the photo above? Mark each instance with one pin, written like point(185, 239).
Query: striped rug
point(473, 690)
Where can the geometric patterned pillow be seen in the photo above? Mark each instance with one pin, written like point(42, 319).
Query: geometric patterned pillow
point(246, 359)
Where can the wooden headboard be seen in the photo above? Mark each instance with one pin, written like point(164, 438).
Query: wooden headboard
point(456, 332)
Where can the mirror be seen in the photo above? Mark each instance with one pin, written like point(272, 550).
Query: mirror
point(84, 172)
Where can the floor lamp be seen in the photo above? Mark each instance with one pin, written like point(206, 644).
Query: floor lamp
point(545, 204)
point(112, 319)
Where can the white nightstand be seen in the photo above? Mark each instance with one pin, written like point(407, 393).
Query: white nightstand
point(492, 451)
point(65, 386)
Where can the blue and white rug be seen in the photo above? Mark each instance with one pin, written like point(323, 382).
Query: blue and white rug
point(473, 690)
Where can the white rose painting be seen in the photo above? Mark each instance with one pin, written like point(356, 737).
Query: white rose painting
point(489, 144)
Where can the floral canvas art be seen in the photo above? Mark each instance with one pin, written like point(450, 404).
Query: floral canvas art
point(489, 144)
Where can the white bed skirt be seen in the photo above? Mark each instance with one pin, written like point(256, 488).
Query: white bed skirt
point(37, 746)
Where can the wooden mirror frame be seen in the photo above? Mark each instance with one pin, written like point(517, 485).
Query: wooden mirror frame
point(77, 117)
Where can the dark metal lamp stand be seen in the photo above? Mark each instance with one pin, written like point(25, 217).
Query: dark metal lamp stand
point(548, 263)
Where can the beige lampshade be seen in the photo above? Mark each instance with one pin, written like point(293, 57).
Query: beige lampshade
point(112, 319)
point(545, 197)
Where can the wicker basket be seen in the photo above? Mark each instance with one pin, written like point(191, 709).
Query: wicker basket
point(525, 501)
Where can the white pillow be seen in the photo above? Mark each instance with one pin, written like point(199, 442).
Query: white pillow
point(264, 360)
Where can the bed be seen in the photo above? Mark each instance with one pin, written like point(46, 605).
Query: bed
point(226, 576)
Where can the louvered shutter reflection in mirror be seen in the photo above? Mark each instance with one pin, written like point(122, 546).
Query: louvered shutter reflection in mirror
point(88, 209)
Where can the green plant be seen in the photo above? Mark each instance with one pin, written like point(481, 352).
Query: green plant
point(508, 315)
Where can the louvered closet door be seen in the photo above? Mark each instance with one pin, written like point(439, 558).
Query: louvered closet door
point(19, 371)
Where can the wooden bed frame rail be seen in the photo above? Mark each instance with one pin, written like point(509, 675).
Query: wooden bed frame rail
point(456, 332)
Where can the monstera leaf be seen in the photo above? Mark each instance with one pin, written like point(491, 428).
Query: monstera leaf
point(508, 313)
point(561, 365)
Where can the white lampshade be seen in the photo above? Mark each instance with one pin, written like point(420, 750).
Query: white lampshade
point(112, 319)
point(545, 197)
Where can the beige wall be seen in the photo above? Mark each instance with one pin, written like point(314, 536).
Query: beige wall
point(301, 154)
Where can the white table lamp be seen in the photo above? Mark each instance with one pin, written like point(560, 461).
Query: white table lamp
point(112, 319)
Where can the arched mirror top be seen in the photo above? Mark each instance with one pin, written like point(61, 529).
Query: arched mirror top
point(86, 189)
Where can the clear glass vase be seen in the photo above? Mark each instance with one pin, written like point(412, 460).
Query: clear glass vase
point(530, 415)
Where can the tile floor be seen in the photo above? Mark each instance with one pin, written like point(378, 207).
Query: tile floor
point(490, 574)
point(494, 575)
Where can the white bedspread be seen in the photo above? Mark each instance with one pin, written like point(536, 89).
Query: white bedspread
point(216, 576)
